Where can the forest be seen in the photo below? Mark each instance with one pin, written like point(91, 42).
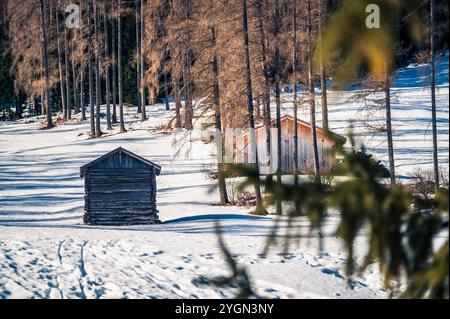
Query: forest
point(238, 63)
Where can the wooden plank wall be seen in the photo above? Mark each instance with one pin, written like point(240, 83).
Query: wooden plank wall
point(123, 196)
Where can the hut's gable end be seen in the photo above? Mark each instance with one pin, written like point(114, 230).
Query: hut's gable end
point(120, 160)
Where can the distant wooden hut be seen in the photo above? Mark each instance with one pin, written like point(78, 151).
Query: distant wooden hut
point(120, 189)
point(327, 142)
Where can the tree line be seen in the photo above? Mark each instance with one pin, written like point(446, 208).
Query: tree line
point(232, 56)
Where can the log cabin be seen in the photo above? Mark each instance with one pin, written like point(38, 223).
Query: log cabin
point(120, 189)
point(327, 142)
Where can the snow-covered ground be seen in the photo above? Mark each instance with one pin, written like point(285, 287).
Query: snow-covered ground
point(46, 251)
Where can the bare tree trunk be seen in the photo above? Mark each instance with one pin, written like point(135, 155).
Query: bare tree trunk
point(141, 57)
point(278, 96)
point(138, 58)
point(108, 68)
point(75, 86)
point(258, 106)
point(323, 75)
point(82, 74)
point(83, 107)
point(166, 91)
point(387, 92)
point(312, 93)
point(177, 104)
point(265, 67)
point(60, 65)
point(90, 71)
point(433, 96)
point(45, 63)
point(260, 210)
point(67, 79)
point(98, 94)
point(119, 64)
point(218, 116)
point(294, 86)
point(114, 76)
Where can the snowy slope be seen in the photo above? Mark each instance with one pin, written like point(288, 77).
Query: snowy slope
point(45, 251)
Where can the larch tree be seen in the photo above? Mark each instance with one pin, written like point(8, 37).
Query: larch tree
point(119, 66)
point(260, 210)
point(47, 89)
point(108, 66)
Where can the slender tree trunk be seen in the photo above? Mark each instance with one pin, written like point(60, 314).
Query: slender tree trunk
point(83, 107)
point(188, 107)
point(141, 57)
point(312, 93)
point(75, 86)
point(114, 75)
point(108, 68)
point(60, 65)
point(45, 63)
point(82, 74)
point(387, 92)
point(294, 86)
point(433, 96)
point(260, 210)
point(278, 96)
point(90, 71)
point(217, 115)
point(138, 58)
point(265, 67)
point(67, 79)
point(323, 74)
point(258, 106)
point(98, 94)
point(178, 105)
point(166, 91)
point(119, 64)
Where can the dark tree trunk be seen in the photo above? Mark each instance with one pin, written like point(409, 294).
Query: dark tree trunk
point(82, 102)
point(260, 210)
point(75, 86)
point(138, 59)
point(142, 66)
point(67, 76)
point(60, 66)
point(312, 93)
point(114, 74)
point(433, 95)
point(98, 93)
point(265, 67)
point(387, 92)
point(82, 74)
point(108, 69)
point(119, 64)
point(218, 118)
point(166, 91)
point(178, 105)
point(45, 63)
point(90, 71)
point(323, 74)
point(278, 96)
point(294, 86)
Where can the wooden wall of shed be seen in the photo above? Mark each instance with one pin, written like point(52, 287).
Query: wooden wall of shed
point(120, 196)
point(326, 148)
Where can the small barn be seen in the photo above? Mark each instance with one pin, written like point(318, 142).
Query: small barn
point(120, 189)
point(327, 142)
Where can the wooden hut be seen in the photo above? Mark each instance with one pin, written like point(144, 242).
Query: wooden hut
point(120, 189)
point(327, 142)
